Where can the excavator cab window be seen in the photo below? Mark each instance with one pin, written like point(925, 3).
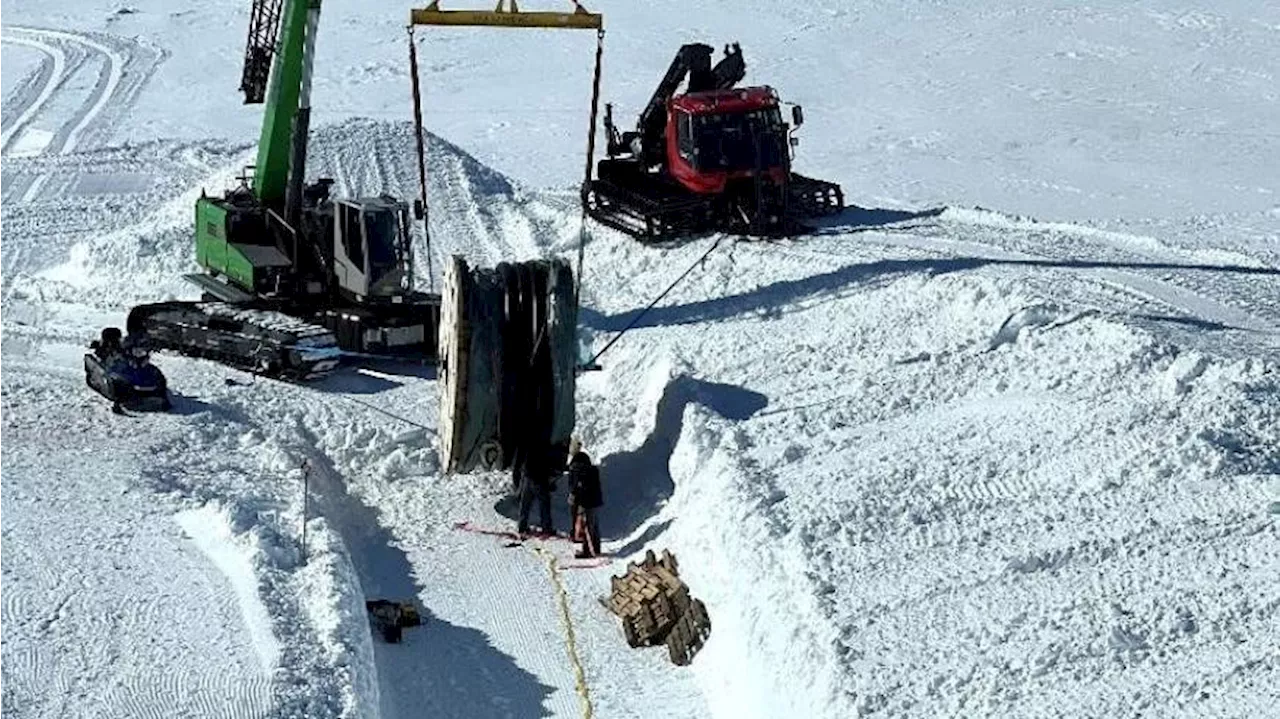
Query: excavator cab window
point(352, 237)
point(380, 234)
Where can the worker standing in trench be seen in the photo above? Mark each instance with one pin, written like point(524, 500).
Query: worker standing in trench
point(585, 499)
point(532, 475)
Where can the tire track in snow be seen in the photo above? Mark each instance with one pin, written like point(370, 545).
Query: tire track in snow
point(126, 68)
point(100, 98)
point(50, 83)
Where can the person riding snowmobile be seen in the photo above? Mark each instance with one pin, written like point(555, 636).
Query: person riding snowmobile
point(136, 350)
point(108, 344)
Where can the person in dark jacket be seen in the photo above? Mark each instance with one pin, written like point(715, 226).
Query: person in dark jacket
point(109, 344)
point(585, 499)
point(530, 469)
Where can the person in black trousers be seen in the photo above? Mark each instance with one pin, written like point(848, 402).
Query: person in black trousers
point(533, 477)
point(585, 499)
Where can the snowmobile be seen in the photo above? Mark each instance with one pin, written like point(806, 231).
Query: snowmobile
point(121, 371)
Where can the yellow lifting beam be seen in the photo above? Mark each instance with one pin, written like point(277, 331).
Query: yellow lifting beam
point(507, 14)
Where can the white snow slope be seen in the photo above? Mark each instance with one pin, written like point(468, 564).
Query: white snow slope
point(933, 460)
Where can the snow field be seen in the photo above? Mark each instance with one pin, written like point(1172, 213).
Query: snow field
point(93, 602)
point(952, 405)
point(956, 389)
point(935, 459)
point(250, 490)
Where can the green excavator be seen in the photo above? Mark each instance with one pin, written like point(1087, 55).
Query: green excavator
point(294, 280)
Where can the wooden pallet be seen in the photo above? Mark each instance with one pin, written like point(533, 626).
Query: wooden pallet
point(689, 633)
point(655, 607)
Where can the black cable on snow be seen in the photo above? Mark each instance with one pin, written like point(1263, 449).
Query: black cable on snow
point(392, 415)
point(656, 300)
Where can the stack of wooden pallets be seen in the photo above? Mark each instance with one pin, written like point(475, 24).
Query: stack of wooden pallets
point(655, 607)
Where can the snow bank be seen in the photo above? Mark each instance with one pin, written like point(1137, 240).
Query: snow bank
point(306, 615)
point(334, 603)
point(307, 619)
point(960, 497)
point(771, 650)
point(210, 530)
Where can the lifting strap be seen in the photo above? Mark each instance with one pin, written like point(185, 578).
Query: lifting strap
point(508, 14)
point(422, 163)
point(586, 180)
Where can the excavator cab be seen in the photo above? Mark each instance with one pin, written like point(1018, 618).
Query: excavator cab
point(371, 252)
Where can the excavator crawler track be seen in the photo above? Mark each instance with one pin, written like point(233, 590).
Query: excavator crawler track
point(270, 343)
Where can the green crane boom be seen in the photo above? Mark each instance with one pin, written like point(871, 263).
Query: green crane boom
point(289, 91)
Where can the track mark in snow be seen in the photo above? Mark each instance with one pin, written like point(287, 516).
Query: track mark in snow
point(126, 67)
point(49, 85)
point(102, 93)
point(191, 694)
point(1192, 303)
point(32, 678)
point(56, 614)
point(18, 600)
point(1035, 316)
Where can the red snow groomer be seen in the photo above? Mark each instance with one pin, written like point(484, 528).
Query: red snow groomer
point(714, 159)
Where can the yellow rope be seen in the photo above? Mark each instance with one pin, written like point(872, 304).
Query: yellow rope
point(571, 641)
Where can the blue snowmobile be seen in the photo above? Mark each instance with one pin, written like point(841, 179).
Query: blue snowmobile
point(121, 371)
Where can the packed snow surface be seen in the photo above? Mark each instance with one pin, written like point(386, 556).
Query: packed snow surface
point(1002, 439)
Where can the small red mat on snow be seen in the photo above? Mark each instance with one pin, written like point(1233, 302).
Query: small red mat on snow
point(516, 539)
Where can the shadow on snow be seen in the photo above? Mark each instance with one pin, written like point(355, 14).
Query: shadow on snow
point(861, 219)
point(637, 483)
point(440, 668)
point(771, 298)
